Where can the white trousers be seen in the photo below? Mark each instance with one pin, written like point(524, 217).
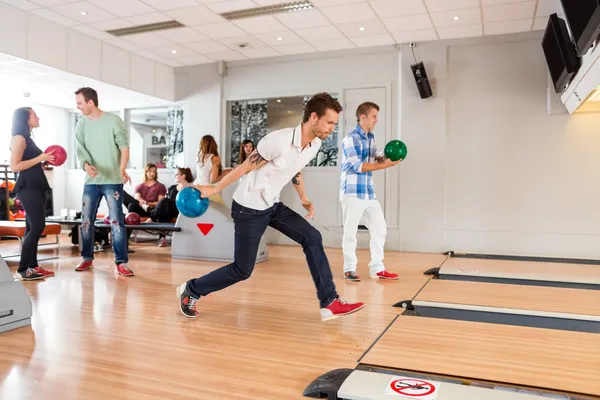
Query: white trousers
point(353, 210)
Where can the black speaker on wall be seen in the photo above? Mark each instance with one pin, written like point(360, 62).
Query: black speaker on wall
point(422, 80)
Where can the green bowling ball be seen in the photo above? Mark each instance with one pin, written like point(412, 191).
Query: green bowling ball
point(395, 150)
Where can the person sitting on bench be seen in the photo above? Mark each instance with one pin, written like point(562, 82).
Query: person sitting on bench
point(166, 210)
point(148, 193)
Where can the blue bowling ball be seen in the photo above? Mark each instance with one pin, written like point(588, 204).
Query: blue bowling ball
point(189, 202)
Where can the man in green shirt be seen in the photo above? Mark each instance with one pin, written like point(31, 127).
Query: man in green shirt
point(103, 152)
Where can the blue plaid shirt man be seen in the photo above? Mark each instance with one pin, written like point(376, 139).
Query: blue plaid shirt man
point(357, 147)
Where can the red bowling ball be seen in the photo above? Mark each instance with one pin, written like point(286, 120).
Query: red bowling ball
point(60, 155)
point(132, 218)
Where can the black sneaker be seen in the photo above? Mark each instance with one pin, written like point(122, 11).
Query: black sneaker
point(187, 302)
point(30, 275)
point(352, 276)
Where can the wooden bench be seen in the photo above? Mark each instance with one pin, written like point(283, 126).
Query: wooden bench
point(521, 356)
point(17, 229)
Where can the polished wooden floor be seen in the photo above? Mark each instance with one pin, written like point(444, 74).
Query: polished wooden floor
point(96, 335)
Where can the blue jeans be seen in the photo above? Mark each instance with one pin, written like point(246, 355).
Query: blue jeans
point(250, 225)
point(92, 195)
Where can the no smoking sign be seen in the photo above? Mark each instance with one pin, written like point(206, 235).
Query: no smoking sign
point(412, 388)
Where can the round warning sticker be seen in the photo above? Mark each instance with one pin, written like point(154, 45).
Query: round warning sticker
point(412, 388)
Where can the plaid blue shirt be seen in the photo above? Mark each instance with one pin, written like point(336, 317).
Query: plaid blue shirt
point(358, 147)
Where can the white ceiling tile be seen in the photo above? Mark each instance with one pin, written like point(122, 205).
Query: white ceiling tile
point(22, 4)
point(279, 38)
point(504, 27)
point(321, 32)
point(5, 58)
point(262, 24)
point(151, 18)
point(415, 36)
point(207, 46)
point(147, 39)
point(50, 3)
point(198, 15)
point(547, 7)
point(220, 30)
point(410, 23)
point(88, 30)
point(167, 51)
point(262, 52)
point(495, 2)
point(336, 44)
point(349, 13)
point(231, 5)
point(74, 10)
point(507, 12)
point(445, 19)
point(329, 3)
point(447, 5)
point(248, 41)
point(229, 55)
point(181, 35)
point(163, 5)
point(539, 24)
point(299, 48)
point(172, 62)
point(372, 41)
point(263, 3)
point(123, 44)
point(194, 60)
point(125, 8)
point(303, 19)
point(55, 17)
point(460, 31)
point(391, 8)
point(362, 28)
point(149, 54)
point(112, 24)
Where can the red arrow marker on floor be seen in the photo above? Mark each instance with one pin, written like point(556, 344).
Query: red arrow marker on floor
point(205, 228)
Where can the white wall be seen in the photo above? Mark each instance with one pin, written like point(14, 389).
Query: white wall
point(489, 171)
point(306, 76)
point(54, 123)
point(495, 164)
point(27, 36)
point(199, 89)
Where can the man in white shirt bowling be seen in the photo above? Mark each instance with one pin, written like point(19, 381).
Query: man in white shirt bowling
point(279, 157)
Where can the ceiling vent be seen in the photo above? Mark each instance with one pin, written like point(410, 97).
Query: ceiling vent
point(267, 10)
point(159, 26)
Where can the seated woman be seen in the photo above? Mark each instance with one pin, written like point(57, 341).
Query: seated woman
point(208, 167)
point(166, 209)
point(148, 193)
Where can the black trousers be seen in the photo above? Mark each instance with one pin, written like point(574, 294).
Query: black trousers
point(250, 225)
point(34, 202)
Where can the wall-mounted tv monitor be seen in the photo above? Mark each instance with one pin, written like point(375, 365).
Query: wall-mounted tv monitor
point(583, 17)
point(560, 54)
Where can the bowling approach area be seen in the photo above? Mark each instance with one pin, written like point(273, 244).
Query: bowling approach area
point(263, 338)
point(484, 328)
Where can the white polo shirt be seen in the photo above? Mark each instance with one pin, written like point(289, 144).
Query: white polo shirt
point(260, 188)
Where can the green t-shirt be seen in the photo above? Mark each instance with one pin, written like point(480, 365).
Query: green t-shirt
point(99, 143)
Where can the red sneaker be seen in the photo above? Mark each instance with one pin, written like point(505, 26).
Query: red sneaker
point(84, 265)
point(43, 271)
point(338, 307)
point(124, 270)
point(383, 275)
